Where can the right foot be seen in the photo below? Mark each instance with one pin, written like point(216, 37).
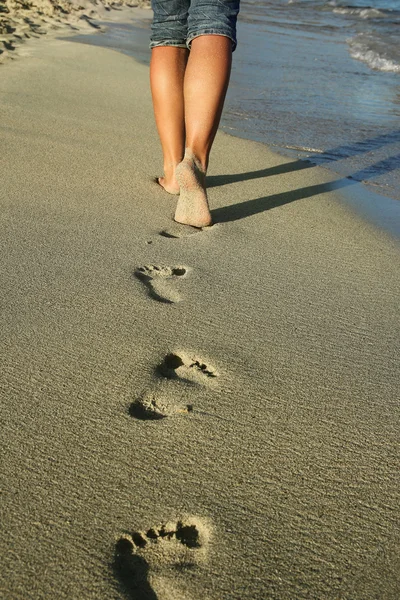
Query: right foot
point(192, 208)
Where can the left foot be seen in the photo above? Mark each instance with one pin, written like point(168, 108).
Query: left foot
point(172, 187)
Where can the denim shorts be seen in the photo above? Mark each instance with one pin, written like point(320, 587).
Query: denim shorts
point(178, 22)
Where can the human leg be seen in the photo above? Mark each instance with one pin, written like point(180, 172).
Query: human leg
point(167, 67)
point(167, 70)
point(212, 39)
point(205, 84)
point(189, 92)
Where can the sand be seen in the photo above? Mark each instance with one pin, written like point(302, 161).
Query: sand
point(185, 414)
point(23, 20)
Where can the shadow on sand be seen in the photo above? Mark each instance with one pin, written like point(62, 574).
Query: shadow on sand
point(132, 573)
point(248, 208)
point(332, 155)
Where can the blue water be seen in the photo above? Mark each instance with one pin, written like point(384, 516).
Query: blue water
point(321, 80)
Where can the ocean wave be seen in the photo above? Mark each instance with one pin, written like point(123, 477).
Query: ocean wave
point(363, 13)
point(361, 48)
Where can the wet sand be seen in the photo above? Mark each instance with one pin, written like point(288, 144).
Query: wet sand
point(22, 22)
point(186, 414)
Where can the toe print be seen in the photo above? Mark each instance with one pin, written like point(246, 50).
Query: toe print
point(178, 540)
point(186, 367)
point(143, 558)
point(158, 281)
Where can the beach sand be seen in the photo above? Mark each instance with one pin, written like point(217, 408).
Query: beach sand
point(23, 20)
point(185, 414)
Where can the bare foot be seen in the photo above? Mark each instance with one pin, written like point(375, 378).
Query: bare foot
point(170, 187)
point(192, 208)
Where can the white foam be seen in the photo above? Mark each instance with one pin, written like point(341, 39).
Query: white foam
point(364, 13)
point(305, 149)
point(360, 50)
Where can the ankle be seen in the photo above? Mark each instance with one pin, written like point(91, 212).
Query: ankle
point(200, 159)
point(169, 169)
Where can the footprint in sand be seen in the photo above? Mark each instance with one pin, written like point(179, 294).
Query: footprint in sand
point(157, 281)
point(168, 398)
point(154, 405)
point(186, 367)
point(147, 562)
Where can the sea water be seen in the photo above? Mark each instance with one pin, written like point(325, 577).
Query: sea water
point(320, 80)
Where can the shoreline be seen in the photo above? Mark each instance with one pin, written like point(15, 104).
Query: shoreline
point(380, 210)
point(278, 328)
point(20, 23)
point(72, 19)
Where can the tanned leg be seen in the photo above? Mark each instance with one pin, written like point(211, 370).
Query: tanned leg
point(205, 83)
point(167, 72)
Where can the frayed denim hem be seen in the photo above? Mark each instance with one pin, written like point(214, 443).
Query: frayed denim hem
point(188, 43)
point(174, 43)
point(192, 36)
